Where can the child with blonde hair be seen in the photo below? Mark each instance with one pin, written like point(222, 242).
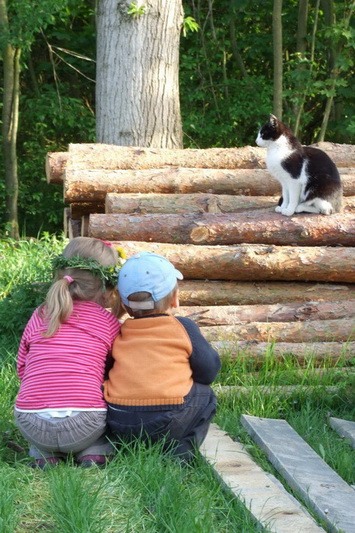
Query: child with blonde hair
point(60, 407)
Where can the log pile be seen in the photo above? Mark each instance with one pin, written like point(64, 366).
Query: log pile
point(252, 278)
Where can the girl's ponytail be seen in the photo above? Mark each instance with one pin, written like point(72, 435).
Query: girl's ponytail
point(58, 305)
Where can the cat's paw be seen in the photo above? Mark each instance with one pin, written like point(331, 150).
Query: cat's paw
point(278, 209)
point(326, 210)
point(287, 211)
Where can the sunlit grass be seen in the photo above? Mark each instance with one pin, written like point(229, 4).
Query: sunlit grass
point(143, 490)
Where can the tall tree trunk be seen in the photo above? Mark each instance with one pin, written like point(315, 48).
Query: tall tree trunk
point(278, 63)
point(10, 111)
point(334, 51)
point(137, 85)
point(301, 47)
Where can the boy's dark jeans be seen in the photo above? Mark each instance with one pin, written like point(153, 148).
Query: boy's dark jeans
point(185, 427)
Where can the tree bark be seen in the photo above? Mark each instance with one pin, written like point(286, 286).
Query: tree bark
point(278, 59)
point(287, 312)
point(185, 203)
point(109, 157)
point(318, 352)
point(10, 114)
point(93, 185)
point(232, 228)
point(137, 81)
point(255, 262)
point(55, 165)
point(207, 292)
point(341, 330)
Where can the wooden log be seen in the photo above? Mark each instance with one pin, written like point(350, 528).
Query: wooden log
point(288, 312)
point(185, 203)
point(71, 228)
point(139, 203)
point(340, 330)
point(231, 228)
point(318, 353)
point(112, 157)
point(208, 293)
point(255, 262)
point(92, 185)
point(55, 165)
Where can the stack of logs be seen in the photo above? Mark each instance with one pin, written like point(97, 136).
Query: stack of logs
point(252, 278)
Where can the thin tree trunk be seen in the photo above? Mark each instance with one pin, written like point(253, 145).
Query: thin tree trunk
point(334, 69)
point(11, 66)
point(278, 61)
point(301, 47)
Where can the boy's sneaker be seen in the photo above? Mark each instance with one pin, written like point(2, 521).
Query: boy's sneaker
point(89, 460)
point(45, 462)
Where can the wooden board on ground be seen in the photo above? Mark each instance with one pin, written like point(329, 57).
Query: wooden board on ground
point(344, 428)
point(267, 501)
point(305, 472)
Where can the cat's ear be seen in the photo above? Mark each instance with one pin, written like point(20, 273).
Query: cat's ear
point(273, 121)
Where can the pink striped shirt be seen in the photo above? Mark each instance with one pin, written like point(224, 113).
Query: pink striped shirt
point(67, 369)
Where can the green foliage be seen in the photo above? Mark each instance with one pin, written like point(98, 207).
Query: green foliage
point(189, 24)
point(136, 11)
point(25, 275)
point(226, 83)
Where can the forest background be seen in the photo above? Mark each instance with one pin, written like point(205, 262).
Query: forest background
point(227, 80)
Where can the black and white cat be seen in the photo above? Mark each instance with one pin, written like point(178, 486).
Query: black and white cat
point(310, 180)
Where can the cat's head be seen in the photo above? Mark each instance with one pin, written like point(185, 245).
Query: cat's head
point(270, 132)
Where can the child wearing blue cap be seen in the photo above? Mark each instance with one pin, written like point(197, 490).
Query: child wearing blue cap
point(159, 384)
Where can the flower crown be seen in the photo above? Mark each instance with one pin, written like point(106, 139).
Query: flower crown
point(107, 274)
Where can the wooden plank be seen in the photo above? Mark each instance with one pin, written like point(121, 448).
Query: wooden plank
point(344, 428)
point(267, 500)
point(305, 472)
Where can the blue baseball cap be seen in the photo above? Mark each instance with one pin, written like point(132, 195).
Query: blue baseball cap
point(147, 272)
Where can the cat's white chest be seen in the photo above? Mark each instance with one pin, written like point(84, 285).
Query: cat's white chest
point(278, 152)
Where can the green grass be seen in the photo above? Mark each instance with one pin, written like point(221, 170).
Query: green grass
point(143, 490)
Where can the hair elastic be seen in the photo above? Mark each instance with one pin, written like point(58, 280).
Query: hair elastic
point(69, 279)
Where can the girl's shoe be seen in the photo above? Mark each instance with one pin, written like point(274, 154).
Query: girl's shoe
point(89, 460)
point(45, 462)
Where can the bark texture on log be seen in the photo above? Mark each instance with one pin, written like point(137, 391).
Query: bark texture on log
point(257, 352)
point(183, 203)
point(288, 312)
point(137, 203)
point(340, 330)
point(208, 292)
point(232, 228)
point(255, 262)
point(112, 157)
point(55, 164)
point(89, 185)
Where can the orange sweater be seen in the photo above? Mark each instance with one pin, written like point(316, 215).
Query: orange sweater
point(151, 363)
